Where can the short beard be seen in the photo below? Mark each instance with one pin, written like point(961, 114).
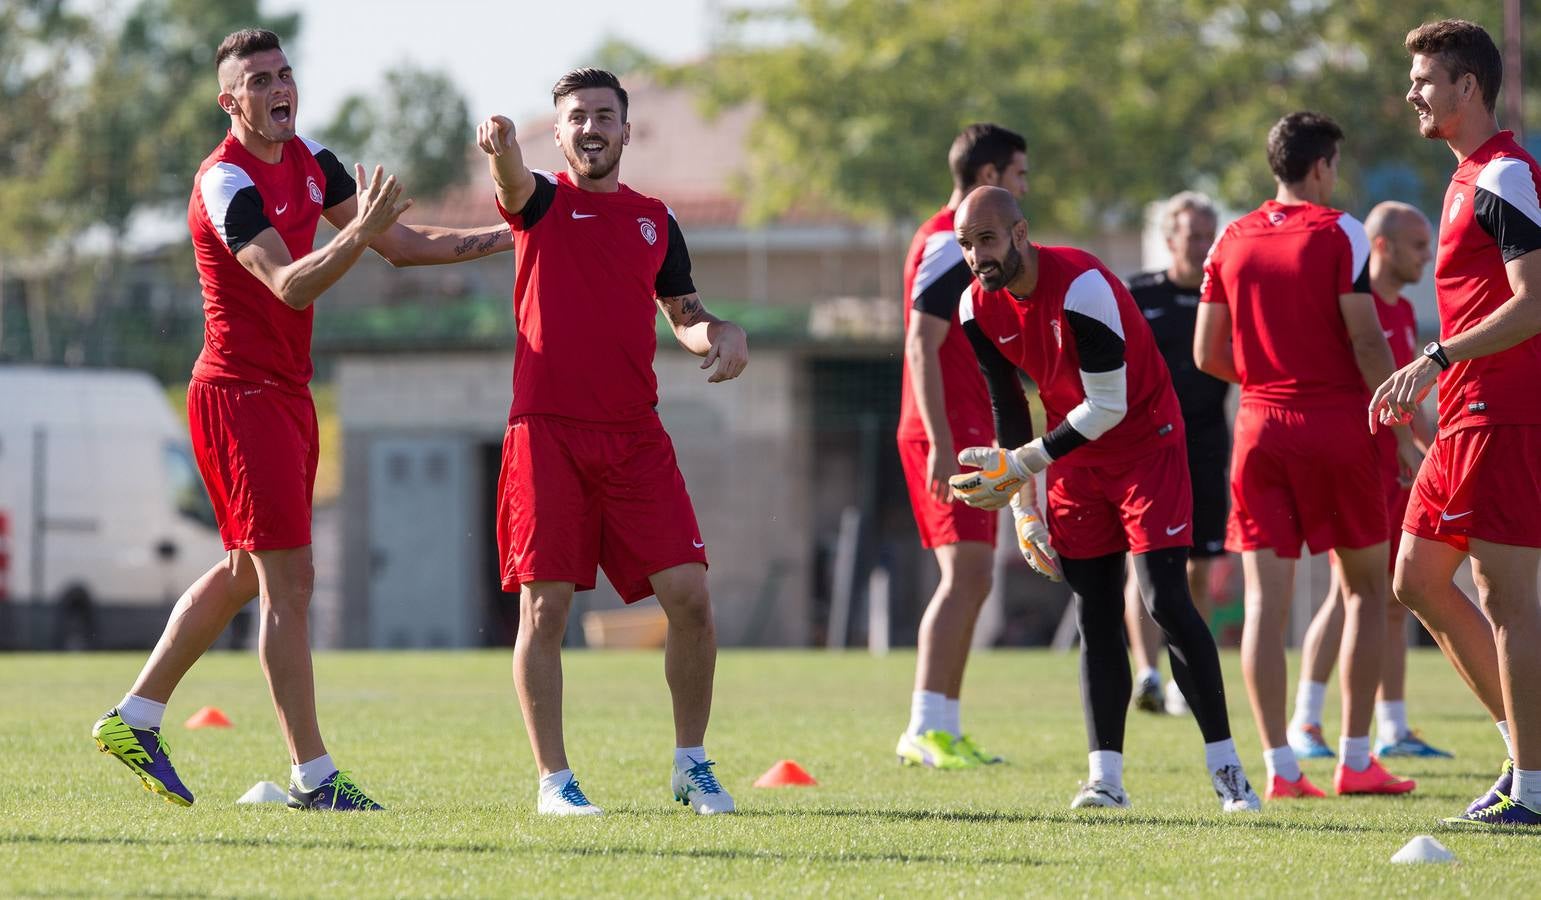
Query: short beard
point(596, 171)
point(1010, 268)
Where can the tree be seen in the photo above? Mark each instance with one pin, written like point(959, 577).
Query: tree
point(419, 128)
point(1122, 101)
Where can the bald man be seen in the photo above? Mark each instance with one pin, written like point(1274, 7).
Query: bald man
point(1400, 248)
point(1116, 469)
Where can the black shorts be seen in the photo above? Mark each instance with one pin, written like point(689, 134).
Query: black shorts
point(1209, 457)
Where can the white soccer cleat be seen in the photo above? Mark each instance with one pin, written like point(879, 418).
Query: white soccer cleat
point(1101, 793)
point(1176, 703)
point(1235, 791)
point(698, 788)
point(568, 800)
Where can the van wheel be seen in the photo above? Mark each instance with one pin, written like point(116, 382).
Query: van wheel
point(76, 629)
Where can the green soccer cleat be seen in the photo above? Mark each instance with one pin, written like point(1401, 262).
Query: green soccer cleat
point(145, 753)
point(933, 750)
point(965, 746)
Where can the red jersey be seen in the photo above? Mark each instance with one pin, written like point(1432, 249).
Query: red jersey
point(590, 265)
point(248, 333)
point(1281, 270)
point(1079, 317)
point(1491, 217)
point(935, 277)
point(1399, 323)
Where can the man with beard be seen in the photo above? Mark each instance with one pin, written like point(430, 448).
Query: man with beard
point(253, 213)
point(589, 477)
point(1479, 491)
point(1117, 471)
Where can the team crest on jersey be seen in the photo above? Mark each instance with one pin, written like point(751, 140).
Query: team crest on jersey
point(1276, 217)
point(649, 230)
point(1059, 343)
point(1455, 205)
point(315, 189)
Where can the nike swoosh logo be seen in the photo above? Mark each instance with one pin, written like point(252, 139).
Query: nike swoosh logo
point(698, 544)
point(579, 215)
point(1449, 518)
point(1007, 340)
point(278, 211)
point(1177, 530)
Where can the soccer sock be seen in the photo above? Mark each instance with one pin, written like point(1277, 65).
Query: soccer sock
point(1503, 729)
point(952, 723)
point(1220, 754)
point(309, 775)
point(1391, 720)
point(141, 713)
point(1106, 766)
point(550, 784)
point(685, 757)
point(1527, 787)
point(1281, 762)
point(1150, 673)
point(1309, 698)
point(1355, 752)
point(928, 712)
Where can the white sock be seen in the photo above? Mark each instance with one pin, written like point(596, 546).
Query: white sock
point(685, 757)
point(550, 784)
point(1527, 788)
point(1355, 752)
point(1281, 762)
point(309, 775)
point(1503, 729)
point(1149, 673)
point(1221, 754)
point(928, 712)
point(1309, 697)
point(142, 713)
point(953, 722)
point(1391, 720)
point(1106, 766)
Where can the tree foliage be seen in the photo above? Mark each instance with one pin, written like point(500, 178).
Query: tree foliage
point(1122, 101)
point(419, 128)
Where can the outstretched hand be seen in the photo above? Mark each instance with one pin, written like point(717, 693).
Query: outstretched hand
point(495, 135)
point(378, 208)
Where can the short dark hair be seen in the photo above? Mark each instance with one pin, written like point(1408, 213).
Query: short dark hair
point(1297, 141)
point(244, 43)
point(578, 79)
point(982, 144)
point(1461, 47)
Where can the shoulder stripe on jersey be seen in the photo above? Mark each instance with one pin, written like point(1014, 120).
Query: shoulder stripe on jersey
point(315, 147)
point(941, 254)
point(1359, 240)
point(221, 184)
point(548, 176)
point(1511, 180)
point(966, 305)
point(1092, 296)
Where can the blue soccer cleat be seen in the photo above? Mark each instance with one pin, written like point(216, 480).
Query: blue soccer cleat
point(338, 792)
point(1501, 788)
point(1411, 744)
point(146, 754)
point(1506, 812)
point(1308, 743)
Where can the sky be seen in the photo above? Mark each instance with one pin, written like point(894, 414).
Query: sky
point(503, 55)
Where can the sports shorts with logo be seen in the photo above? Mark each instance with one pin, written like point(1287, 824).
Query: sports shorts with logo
point(941, 523)
point(1483, 482)
point(1142, 505)
point(256, 447)
point(574, 499)
point(1309, 476)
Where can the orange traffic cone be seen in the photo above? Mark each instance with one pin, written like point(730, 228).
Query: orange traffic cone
point(209, 717)
point(786, 773)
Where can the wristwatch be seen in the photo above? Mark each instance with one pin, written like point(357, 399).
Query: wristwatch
point(1433, 350)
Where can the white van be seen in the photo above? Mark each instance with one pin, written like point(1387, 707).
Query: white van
point(104, 520)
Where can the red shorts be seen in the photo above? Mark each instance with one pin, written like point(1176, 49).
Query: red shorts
point(256, 447)
point(941, 523)
point(1136, 506)
point(572, 499)
point(1305, 476)
point(1481, 482)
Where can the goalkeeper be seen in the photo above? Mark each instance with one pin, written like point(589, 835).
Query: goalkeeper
point(1116, 470)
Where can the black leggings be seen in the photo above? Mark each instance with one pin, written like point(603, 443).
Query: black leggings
point(1106, 685)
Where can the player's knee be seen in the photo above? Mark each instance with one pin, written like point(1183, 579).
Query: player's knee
point(1504, 604)
point(544, 613)
point(968, 586)
point(690, 609)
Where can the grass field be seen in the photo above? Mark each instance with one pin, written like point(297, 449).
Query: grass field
point(437, 738)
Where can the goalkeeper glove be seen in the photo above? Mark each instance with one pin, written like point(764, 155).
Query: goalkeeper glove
point(1001, 473)
point(1033, 539)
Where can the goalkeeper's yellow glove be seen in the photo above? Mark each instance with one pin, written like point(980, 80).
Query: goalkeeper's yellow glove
point(1001, 473)
point(1033, 539)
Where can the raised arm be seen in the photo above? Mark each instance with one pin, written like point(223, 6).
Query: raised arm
point(298, 282)
point(512, 178)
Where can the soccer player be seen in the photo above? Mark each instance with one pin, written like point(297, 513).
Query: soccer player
point(253, 213)
point(589, 476)
point(1116, 471)
point(1401, 244)
point(1479, 491)
point(1169, 299)
point(1287, 314)
point(943, 406)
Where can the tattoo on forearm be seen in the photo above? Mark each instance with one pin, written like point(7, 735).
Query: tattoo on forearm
point(473, 244)
point(686, 311)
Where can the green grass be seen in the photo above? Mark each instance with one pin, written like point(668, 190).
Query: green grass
point(438, 739)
